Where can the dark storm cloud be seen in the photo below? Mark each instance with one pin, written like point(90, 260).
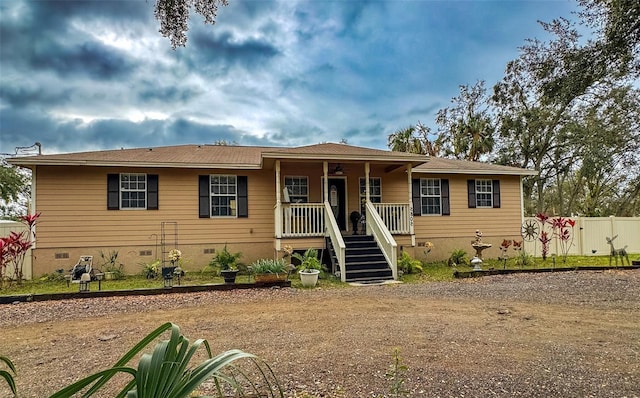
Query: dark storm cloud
point(57, 46)
point(33, 93)
point(89, 59)
point(151, 91)
point(223, 48)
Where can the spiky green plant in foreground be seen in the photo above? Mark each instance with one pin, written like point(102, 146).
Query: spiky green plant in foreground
point(167, 373)
point(7, 376)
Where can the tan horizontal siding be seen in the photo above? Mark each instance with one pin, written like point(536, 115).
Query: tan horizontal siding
point(463, 221)
point(74, 209)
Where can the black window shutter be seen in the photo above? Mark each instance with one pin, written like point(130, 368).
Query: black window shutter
point(471, 191)
point(152, 192)
point(243, 199)
point(496, 193)
point(204, 197)
point(444, 193)
point(415, 197)
point(113, 191)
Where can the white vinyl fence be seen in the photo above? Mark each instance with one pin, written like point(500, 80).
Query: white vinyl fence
point(5, 229)
point(589, 236)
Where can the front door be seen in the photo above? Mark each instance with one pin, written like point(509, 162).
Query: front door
point(338, 201)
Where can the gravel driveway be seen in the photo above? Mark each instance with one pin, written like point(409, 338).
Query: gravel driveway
point(566, 334)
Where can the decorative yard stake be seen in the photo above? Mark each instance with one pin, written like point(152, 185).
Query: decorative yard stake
point(615, 253)
point(517, 247)
point(504, 246)
point(561, 229)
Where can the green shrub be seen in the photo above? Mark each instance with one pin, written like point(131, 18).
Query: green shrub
point(56, 276)
point(168, 371)
point(523, 259)
point(150, 270)
point(224, 260)
point(110, 264)
point(408, 265)
point(458, 257)
point(269, 266)
point(309, 260)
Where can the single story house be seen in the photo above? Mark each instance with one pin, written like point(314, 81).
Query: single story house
point(144, 202)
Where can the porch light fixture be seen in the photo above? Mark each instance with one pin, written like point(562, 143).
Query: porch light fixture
point(338, 170)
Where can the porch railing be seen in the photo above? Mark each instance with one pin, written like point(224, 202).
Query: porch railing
point(382, 235)
point(396, 216)
point(303, 219)
point(333, 231)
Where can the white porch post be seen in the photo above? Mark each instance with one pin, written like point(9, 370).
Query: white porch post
point(325, 170)
point(367, 197)
point(278, 215)
point(367, 170)
point(410, 185)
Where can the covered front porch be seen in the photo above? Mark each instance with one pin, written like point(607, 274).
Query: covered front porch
point(316, 205)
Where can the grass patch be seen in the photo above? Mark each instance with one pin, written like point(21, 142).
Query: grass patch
point(130, 282)
point(440, 271)
point(432, 272)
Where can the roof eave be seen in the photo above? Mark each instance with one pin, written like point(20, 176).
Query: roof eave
point(524, 172)
point(179, 165)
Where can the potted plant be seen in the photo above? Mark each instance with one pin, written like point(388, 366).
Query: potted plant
point(150, 270)
point(269, 270)
point(226, 263)
point(309, 268)
point(112, 269)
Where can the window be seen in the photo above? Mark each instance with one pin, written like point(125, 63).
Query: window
point(375, 191)
point(484, 193)
point(132, 191)
point(298, 188)
point(223, 195)
point(430, 196)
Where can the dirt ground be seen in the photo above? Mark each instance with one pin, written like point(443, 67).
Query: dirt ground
point(566, 334)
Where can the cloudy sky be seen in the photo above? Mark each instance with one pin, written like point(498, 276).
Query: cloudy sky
point(86, 75)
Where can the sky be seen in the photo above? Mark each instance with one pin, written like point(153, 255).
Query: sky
point(94, 75)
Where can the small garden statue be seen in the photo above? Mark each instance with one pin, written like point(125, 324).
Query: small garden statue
point(479, 246)
point(615, 253)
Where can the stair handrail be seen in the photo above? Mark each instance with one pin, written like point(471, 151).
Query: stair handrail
point(381, 234)
point(333, 231)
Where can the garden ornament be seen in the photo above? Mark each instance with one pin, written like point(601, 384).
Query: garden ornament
point(615, 253)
